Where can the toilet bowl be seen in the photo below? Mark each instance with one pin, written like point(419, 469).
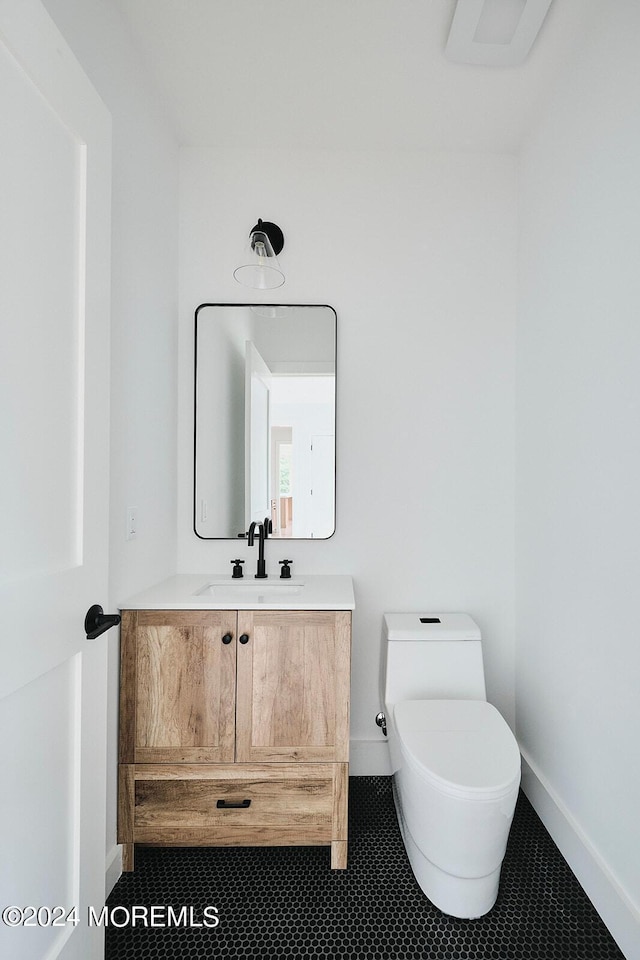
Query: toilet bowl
point(455, 761)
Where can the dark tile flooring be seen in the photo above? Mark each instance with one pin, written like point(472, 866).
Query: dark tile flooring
point(285, 902)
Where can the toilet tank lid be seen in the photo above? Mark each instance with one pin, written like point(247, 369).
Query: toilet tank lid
point(431, 626)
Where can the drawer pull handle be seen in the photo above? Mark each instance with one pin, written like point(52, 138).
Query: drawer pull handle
point(244, 638)
point(227, 638)
point(233, 805)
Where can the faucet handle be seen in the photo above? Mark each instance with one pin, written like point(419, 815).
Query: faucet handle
point(237, 570)
point(285, 573)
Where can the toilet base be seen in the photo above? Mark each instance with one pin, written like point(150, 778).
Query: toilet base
point(466, 898)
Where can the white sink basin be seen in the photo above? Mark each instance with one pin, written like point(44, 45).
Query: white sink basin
point(250, 591)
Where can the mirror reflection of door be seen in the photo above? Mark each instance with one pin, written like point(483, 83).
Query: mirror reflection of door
point(282, 481)
point(301, 409)
point(256, 436)
point(290, 459)
point(265, 420)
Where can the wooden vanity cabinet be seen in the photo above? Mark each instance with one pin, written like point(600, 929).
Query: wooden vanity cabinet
point(234, 728)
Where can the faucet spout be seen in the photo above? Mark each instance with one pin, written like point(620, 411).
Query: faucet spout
point(262, 529)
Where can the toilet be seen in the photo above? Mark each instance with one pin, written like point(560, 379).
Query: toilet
point(455, 761)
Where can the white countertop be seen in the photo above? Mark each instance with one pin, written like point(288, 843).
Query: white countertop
point(220, 592)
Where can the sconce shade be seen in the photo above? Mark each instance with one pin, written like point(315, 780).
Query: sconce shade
point(260, 269)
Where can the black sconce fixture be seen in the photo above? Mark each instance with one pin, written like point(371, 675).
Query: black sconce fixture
point(260, 268)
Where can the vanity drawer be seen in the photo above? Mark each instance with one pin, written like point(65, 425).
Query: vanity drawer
point(198, 804)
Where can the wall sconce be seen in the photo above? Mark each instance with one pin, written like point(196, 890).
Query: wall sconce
point(260, 268)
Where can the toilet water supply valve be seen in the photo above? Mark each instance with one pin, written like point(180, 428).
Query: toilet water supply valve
point(381, 720)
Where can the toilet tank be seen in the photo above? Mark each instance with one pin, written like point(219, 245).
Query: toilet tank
point(435, 656)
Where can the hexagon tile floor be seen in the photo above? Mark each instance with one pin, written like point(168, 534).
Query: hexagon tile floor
point(285, 902)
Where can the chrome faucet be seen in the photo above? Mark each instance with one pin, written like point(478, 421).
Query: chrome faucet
point(264, 529)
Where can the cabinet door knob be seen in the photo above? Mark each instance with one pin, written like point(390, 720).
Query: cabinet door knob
point(244, 638)
point(227, 638)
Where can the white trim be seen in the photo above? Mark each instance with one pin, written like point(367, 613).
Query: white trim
point(113, 868)
point(369, 758)
point(615, 906)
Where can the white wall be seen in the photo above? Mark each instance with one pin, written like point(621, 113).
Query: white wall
point(578, 475)
point(417, 254)
point(144, 311)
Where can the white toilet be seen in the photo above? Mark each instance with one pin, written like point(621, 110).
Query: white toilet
point(455, 761)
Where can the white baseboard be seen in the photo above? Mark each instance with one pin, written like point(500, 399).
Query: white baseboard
point(113, 868)
point(369, 758)
point(616, 908)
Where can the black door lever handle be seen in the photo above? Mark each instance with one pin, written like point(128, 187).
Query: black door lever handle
point(97, 621)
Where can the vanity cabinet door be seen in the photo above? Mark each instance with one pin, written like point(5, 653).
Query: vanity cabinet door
point(178, 686)
point(293, 686)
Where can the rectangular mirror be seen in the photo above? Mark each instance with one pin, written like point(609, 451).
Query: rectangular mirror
point(265, 414)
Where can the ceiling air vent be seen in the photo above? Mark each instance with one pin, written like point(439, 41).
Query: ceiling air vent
point(495, 33)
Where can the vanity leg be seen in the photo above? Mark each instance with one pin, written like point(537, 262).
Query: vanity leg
point(126, 805)
point(340, 816)
point(338, 854)
point(127, 857)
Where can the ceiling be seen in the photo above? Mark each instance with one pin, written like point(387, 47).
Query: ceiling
point(340, 74)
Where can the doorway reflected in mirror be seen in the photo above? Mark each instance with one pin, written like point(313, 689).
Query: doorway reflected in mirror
point(265, 412)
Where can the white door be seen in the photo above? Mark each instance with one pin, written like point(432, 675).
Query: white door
point(256, 435)
point(55, 148)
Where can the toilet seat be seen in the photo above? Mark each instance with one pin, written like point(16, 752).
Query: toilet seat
point(462, 748)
